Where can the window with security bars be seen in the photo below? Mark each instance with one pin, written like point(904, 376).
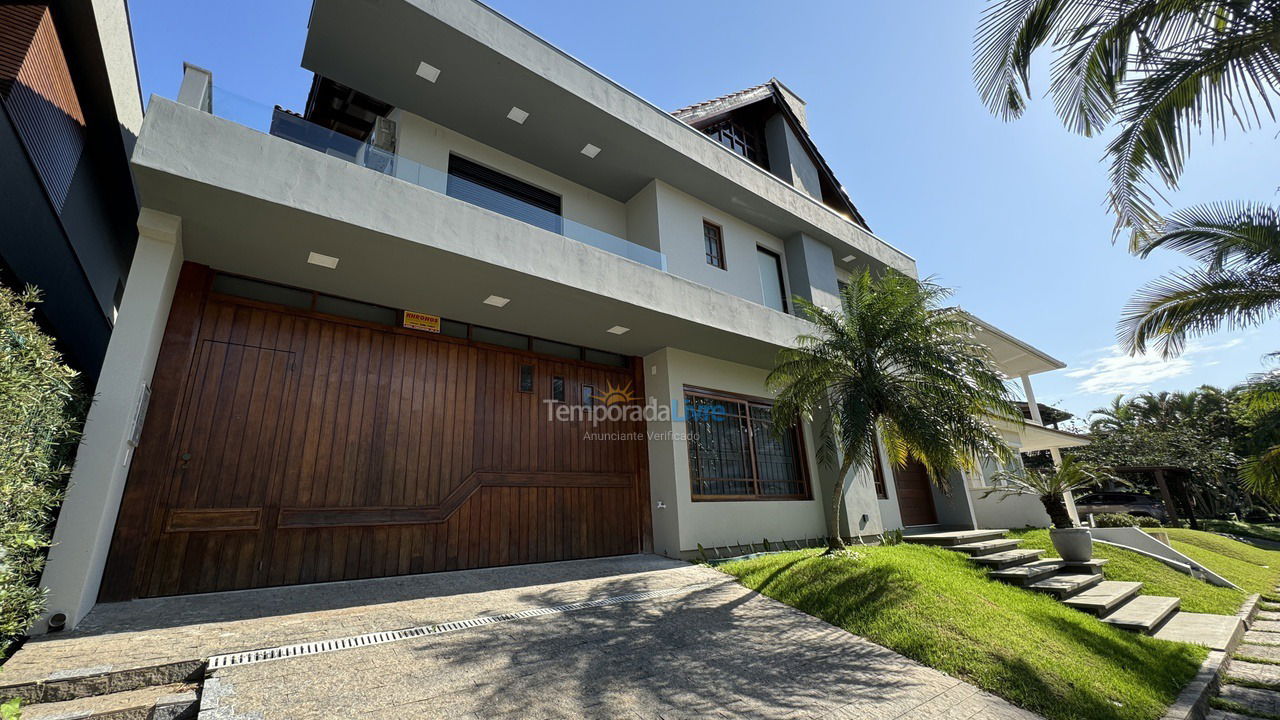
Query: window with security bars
point(713, 238)
point(734, 453)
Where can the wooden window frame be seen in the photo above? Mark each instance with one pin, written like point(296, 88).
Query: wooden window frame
point(714, 259)
point(801, 459)
point(564, 389)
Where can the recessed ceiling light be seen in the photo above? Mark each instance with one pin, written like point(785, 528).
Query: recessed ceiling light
point(590, 150)
point(430, 73)
point(617, 330)
point(517, 115)
point(327, 261)
point(496, 300)
point(847, 258)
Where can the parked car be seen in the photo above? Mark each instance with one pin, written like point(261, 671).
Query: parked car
point(1136, 504)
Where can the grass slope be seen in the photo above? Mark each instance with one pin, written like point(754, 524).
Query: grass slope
point(1252, 568)
point(1235, 527)
point(932, 605)
point(1157, 578)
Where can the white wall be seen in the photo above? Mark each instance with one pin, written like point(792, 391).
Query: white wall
point(998, 510)
point(683, 524)
point(680, 219)
point(429, 144)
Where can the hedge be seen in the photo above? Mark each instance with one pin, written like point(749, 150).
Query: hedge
point(41, 414)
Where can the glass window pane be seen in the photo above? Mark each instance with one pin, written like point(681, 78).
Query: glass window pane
point(771, 279)
point(360, 311)
point(604, 358)
point(526, 378)
point(557, 388)
point(261, 291)
point(547, 347)
point(498, 337)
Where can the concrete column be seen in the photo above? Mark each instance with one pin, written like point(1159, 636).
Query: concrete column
point(197, 88)
point(1053, 452)
point(85, 525)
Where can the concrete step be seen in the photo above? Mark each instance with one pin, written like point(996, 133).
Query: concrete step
point(1143, 613)
point(1063, 584)
point(70, 683)
point(1088, 566)
point(164, 702)
point(1216, 632)
point(1008, 558)
point(1027, 573)
point(954, 537)
point(1103, 597)
point(986, 547)
point(1257, 702)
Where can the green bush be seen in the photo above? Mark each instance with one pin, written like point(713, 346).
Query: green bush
point(1112, 520)
point(41, 412)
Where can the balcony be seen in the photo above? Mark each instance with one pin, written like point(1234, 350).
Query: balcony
point(290, 126)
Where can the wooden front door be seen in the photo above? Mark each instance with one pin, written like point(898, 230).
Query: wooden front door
point(283, 447)
point(915, 494)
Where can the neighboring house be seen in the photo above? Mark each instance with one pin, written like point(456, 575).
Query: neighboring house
point(366, 339)
point(70, 110)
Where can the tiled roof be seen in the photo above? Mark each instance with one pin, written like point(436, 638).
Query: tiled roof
point(694, 108)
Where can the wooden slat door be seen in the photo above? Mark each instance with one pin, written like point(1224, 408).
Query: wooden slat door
point(225, 470)
point(289, 448)
point(915, 494)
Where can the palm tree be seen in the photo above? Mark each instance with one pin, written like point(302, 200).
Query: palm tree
point(1049, 486)
point(1119, 414)
point(1237, 283)
point(891, 361)
point(1158, 70)
point(1260, 398)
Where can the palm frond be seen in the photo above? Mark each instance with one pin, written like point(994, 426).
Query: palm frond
point(1195, 302)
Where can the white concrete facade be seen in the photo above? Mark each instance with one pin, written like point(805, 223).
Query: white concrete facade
point(244, 202)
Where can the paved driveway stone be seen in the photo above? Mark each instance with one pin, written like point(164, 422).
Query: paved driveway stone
point(720, 651)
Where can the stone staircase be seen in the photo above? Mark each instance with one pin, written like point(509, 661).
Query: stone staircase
point(1079, 585)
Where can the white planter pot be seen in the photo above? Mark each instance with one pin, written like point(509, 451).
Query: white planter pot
point(1072, 544)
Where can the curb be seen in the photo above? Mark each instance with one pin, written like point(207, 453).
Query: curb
point(1193, 701)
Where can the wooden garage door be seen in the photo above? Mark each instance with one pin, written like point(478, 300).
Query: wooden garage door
point(286, 448)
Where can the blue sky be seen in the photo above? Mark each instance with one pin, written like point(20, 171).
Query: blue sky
point(1009, 214)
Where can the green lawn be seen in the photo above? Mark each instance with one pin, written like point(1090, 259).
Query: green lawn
point(1158, 578)
point(1252, 568)
point(932, 605)
point(1235, 527)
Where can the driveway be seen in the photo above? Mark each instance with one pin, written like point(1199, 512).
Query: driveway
point(707, 647)
point(636, 636)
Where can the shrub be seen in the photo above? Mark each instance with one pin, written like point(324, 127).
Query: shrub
point(1111, 520)
point(41, 411)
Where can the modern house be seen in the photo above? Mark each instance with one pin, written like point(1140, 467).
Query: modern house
point(70, 110)
point(474, 305)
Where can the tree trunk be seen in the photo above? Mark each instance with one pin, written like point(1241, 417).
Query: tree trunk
point(835, 542)
point(1056, 506)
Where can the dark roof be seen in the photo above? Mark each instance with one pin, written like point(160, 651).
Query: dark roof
point(773, 89)
point(1048, 413)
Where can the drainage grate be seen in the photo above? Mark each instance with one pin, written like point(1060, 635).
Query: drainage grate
point(357, 641)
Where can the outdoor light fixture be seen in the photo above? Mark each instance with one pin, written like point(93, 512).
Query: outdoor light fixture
point(847, 258)
point(430, 73)
point(590, 150)
point(617, 330)
point(496, 301)
point(324, 261)
point(517, 116)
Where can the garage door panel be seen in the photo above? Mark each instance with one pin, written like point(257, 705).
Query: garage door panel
point(318, 450)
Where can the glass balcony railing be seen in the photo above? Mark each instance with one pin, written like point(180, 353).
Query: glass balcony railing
point(294, 128)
